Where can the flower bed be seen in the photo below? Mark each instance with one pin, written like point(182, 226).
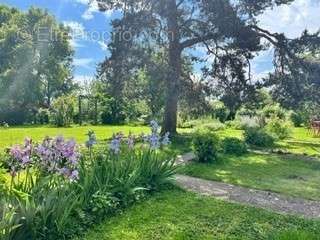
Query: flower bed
point(58, 188)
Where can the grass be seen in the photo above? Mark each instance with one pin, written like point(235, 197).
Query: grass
point(278, 173)
point(175, 214)
point(15, 135)
point(301, 141)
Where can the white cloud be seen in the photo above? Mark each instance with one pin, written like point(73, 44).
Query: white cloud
point(103, 45)
point(83, 79)
point(78, 33)
point(92, 9)
point(292, 19)
point(75, 43)
point(262, 65)
point(83, 62)
point(82, 1)
point(77, 29)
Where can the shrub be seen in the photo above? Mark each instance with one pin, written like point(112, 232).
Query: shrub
point(42, 116)
point(212, 127)
point(234, 146)
point(243, 122)
point(209, 124)
point(273, 110)
point(114, 111)
point(4, 125)
point(278, 128)
point(220, 111)
point(63, 109)
point(297, 119)
point(205, 146)
point(258, 137)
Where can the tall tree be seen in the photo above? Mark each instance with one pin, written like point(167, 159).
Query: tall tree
point(182, 24)
point(35, 62)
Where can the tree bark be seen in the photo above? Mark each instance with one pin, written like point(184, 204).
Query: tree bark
point(174, 73)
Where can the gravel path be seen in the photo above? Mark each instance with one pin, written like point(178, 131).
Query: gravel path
point(257, 198)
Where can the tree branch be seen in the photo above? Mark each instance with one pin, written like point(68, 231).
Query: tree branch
point(196, 40)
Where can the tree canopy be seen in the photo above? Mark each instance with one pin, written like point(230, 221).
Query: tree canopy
point(226, 29)
point(35, 62)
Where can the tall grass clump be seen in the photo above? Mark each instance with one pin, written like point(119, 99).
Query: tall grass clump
point(57, 188)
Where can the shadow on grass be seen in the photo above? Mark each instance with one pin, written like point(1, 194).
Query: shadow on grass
point(181, 143)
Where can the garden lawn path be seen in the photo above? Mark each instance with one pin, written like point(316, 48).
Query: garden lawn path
point(252, 197)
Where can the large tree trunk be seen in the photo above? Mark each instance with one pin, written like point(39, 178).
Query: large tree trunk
point(174, 73)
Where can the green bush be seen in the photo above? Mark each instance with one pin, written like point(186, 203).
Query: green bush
point(273, 110)
point(243, 122)
point(297, 119)
point(209, 124)
point(258, 137)
point(42, 116)
point(63, 109)
point(212, 127)
point(219, 111)
point(205, 146)
point(234, 146)
point(278, 128)
point(114, 111)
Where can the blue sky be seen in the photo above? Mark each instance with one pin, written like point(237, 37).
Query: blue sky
point(82, 18)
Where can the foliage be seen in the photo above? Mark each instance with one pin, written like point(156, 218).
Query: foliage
point(54, 193)
point(233, 87)
point(4, 125)
point(113, 112)
point(308, 111)
point(296, 80)
point(258, 137)
point(63, 109)
point(35, 63)
point(206, 146)
point(274, 110)
point(243, 122)
point(212, 127)
point(228, 30)
point(219, 111)
point(43, 116)
point(279, 128)
point(234, 146)
point(297, 119)
point(208, 123)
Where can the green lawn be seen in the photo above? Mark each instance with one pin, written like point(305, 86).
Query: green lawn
point(15, 135)
point(301, 141)
point(179, 215)
point(278, 173)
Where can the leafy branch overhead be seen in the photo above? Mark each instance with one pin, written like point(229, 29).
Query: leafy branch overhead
point(226, 29)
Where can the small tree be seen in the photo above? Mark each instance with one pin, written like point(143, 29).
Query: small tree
point(62, 111)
